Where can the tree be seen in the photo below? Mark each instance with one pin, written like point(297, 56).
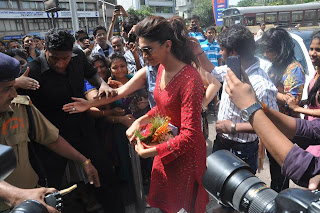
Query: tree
point(203, 9)
point(141, 13)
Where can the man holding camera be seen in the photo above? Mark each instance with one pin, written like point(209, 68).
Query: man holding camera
point(83, 42)
point(195, 29)
point(30, 47)
point(14, 122)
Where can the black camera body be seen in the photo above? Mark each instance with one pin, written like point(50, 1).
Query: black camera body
point(231, 181)
point(8, 163)
point(132, 38)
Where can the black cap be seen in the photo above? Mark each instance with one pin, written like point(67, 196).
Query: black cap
point(9, 68)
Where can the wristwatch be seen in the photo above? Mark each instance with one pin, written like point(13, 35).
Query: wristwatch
point(247, 113)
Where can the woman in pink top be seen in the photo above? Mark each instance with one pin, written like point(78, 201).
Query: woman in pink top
point(313, 110)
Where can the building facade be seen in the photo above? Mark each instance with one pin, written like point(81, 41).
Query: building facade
point(165, 8)
point(21, 17)
point(184, 8)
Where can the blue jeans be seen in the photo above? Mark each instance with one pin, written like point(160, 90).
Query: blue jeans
point(248, 152)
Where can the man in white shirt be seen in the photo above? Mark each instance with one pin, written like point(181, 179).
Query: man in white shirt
point(235, 134)
point(103, 46)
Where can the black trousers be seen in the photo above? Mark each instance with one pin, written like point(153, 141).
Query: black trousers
point(279, 182)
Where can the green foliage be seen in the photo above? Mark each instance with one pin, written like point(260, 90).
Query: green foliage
point(203, 9)
point(143, 12)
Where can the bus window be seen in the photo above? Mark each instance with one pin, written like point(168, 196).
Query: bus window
point(271, 18)
point(284, 19)
point(249, 21)
point(296, 18)
point(309, 17)
point(236, 20)
point(318, 22)
point(259, 18)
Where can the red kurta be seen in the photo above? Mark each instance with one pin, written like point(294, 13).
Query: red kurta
point(181, 161)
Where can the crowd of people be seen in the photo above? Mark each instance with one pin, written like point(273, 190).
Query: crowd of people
point(90, 95)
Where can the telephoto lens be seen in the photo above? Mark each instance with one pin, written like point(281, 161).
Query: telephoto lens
point(231, 181)
point(30, 206)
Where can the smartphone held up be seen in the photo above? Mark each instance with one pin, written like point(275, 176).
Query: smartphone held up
point(234, 63)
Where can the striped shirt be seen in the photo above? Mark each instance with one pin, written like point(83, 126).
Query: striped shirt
point(198, 35)
point(212, 51)
point(265, 91)
point(131, 62)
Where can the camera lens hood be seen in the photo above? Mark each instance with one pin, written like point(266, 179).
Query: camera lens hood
point(221, 165)
point(30, 206)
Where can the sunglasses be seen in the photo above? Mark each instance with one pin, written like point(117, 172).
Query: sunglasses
point(83, 38)
point(146, 50)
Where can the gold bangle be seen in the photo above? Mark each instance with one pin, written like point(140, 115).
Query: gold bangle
point(86, 162)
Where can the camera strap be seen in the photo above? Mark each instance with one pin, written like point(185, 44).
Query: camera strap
point(34, 159)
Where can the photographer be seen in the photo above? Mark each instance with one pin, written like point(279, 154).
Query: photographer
point(83, 42)
point(296, 163)
point(195, 29)
point(30, 47)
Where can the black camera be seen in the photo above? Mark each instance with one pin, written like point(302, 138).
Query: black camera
point(230, 180)
point(194, 28)
point(8, 163)
point(132, 38)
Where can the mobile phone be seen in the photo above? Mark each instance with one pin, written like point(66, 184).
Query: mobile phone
point(132, 38)
point(27, 48)
point(117, 7)
point(91, 40)
point(234, 64)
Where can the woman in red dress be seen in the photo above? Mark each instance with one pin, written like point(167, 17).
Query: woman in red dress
point(180, 162)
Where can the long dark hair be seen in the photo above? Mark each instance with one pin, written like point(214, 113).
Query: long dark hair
point(313, 92)
point(278, 41)
point(159, 29)
point(98, 57)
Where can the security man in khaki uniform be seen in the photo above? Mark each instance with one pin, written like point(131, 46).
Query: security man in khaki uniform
point(20, 184)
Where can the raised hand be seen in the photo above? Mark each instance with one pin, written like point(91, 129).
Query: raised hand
point(25, 82)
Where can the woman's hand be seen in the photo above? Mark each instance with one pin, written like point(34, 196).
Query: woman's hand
point(25, 82)
point(241, 94)
point(291, 101)
point(144, 153)
point(80, 105)
point(114, 83)
point(130, 131)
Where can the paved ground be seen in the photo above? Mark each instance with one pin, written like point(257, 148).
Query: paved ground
point(213, 206)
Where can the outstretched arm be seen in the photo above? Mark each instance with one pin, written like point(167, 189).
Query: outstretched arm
point(135, 83)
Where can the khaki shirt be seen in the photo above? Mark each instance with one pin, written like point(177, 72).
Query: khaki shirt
point(14, 132)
